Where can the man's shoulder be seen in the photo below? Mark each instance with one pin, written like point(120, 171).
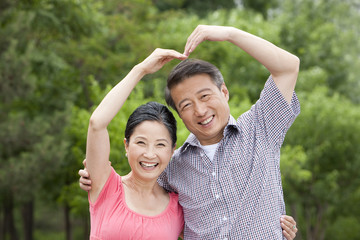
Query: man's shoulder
point(180, 152)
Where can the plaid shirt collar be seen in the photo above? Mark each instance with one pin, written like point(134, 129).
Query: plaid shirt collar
point(193, 141)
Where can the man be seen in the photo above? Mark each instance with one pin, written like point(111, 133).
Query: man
point(227, 172)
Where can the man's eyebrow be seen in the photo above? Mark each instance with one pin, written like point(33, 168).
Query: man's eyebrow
point(202, 90)
point(198, 92)
point(181, 102)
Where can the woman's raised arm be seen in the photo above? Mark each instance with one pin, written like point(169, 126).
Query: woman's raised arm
point(98, 143)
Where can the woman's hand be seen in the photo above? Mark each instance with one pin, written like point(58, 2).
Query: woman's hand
point(158, 58)
point(288, 225)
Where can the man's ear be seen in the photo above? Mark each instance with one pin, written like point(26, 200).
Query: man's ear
point(225, 91)
point(179, 115)
point(174, 148)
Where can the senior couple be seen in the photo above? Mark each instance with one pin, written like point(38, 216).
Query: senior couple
point(224, 182)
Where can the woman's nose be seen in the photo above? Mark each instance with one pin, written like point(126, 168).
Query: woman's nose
point(150, 153)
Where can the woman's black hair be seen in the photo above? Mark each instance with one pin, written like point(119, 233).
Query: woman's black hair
point(152, 111)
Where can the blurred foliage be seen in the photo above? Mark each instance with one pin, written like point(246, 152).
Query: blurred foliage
point(323, 33)
point(320, 179)
point(60, 57)
point(200, 8)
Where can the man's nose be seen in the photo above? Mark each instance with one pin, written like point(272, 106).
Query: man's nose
point(200, 109)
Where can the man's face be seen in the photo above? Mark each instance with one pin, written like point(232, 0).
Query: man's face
point(203, 107)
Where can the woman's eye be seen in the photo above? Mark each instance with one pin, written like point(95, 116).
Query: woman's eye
point(140, 143)
point(161, 145)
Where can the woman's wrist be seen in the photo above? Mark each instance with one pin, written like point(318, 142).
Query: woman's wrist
point(139, 70)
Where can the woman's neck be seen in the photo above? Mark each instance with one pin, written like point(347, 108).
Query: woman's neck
point(141, 186)
point(145, 197)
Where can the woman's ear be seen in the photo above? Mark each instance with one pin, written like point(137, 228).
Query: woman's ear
point(126, 145)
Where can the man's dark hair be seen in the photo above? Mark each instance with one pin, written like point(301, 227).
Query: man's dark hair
point(187, 69)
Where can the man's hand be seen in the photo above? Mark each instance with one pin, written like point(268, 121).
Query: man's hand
point(282, 65)
point(288, 225)
point(206, 32)
point(84, 181)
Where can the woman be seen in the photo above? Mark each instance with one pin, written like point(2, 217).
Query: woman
point(133, 206)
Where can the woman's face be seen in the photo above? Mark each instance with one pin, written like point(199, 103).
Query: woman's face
point(149, 150)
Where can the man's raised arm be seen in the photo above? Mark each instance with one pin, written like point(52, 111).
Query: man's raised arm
point(282, 65)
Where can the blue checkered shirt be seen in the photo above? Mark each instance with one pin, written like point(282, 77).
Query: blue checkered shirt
point(239, 194)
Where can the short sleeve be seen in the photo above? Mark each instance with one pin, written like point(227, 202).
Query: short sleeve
point(111, 187)
point(275, 113)
point(163, 180)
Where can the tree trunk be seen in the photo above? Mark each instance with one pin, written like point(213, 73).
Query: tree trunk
point(86, 92)
point(1, 221)
point(27, 212)
point(9, 229)
point(308, 225)
point(320, 224)
point(67, 222)
point(295, 216)
point(86, 227)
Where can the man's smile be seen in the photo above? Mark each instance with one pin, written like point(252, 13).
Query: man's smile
point(206, 121)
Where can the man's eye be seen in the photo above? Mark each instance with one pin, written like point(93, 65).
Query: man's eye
point(186, 106)
point(205, 96)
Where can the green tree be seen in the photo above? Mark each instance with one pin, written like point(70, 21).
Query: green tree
point(261, 6)
point(34, 101)
point(321, 176)
point(201, 8)
point(322, 33)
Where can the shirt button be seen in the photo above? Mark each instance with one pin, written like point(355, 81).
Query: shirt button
point(217, 196)
point(213, 173)
point(224, 218)
point(225, 239)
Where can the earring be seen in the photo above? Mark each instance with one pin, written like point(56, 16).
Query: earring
point(125, 154)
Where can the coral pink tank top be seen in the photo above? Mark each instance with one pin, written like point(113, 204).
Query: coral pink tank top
point(112, 219)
